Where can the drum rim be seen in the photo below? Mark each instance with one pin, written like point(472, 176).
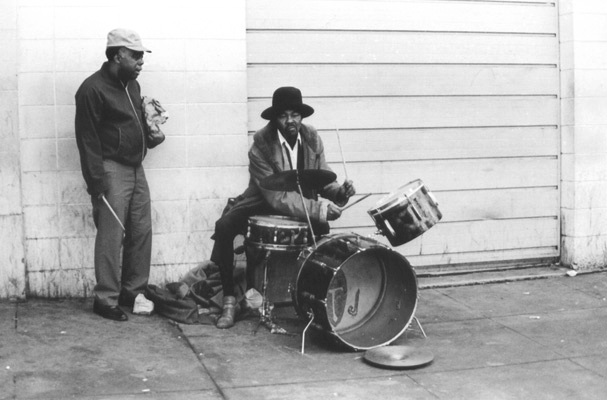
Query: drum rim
point(396, 201)
point(297, 222)
point(405, 327)
point(276, 247)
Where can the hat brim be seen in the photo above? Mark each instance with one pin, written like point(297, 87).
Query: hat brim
point(270, 113)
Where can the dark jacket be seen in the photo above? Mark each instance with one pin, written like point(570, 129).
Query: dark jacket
point(265, 159)
point(109, 126)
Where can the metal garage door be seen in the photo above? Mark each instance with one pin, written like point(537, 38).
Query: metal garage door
point(461, 94)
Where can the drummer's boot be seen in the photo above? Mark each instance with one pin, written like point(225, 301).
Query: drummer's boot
point(227, 316)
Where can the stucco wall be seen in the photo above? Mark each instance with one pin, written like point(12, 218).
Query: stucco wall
point(12, 267)
point(584, 130)
point(197, 69)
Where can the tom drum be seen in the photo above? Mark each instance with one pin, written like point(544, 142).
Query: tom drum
point(406, 213)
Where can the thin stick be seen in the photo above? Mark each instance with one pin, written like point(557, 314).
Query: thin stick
point(357, 201)
point(112, 211)
point(343, 160)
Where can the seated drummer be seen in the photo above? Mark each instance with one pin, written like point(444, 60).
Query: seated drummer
point(285, 143)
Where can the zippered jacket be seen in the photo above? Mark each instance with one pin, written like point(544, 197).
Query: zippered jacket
point(109, 125)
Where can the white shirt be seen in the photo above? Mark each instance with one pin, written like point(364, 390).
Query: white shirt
point(289, 155)
point(287, 152)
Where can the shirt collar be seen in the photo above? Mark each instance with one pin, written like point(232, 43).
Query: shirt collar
point(284, 141)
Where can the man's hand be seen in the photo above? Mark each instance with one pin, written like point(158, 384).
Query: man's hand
point(333, 212)
point(346, 191)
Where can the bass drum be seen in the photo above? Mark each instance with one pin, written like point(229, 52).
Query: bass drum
point(359, 291)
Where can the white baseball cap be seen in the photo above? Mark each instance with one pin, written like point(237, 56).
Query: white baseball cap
point(125, 38)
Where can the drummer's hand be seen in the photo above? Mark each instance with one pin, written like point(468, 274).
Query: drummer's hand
point(346, 191)
point(333, 212)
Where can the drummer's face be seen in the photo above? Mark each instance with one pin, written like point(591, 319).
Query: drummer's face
point(289, 122)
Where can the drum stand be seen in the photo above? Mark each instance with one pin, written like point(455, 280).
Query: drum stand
point(420, 326)
point(303, 334)
point(265, 315)
point(303, 202)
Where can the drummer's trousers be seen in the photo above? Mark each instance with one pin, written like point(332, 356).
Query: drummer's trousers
point(232, 223)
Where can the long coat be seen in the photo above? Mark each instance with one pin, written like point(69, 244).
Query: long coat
point(265, 159)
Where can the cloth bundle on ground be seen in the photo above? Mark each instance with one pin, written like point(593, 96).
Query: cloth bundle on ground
point(197, 297)
point(167, 304)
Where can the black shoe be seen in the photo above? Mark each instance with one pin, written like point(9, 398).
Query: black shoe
point(110, 312)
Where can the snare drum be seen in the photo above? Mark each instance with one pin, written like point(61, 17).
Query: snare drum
point(275, 232)
point(406, 213)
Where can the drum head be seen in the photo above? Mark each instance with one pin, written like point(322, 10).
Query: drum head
point(372, 298)
point(395, 197)
point(276, 220)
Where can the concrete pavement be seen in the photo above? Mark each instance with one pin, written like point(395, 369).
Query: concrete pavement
point(543, 338)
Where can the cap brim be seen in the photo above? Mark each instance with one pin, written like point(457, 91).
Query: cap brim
point(139, 48)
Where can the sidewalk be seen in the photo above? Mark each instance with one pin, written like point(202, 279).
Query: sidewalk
point(531, 339)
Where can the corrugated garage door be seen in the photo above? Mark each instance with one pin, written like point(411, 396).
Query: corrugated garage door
point(462, 94)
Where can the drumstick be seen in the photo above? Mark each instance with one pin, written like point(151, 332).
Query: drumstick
point(343, 160)
point(112, 211)
point(357, 201)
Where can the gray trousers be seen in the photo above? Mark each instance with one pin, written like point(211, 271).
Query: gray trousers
point(129, 196)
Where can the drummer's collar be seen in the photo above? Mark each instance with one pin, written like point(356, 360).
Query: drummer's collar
point(283, 141)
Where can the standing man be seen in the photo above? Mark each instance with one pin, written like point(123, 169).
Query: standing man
point(285, 143)
point(112, 139)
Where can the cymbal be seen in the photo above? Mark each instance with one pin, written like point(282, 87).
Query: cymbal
point(398, 357)
point(308, 178)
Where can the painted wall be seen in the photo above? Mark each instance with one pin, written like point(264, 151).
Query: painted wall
point(12, 265)
point(197, 70)
point(583, 25)
point(461, 94)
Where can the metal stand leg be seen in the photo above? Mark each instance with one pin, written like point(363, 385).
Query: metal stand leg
point(303, 335)
point(265, 317)
point(420, 326)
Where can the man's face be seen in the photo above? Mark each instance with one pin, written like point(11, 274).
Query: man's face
point(131, 63)
point(289, 122)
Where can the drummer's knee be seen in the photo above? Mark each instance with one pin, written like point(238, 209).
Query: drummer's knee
point(226, 229)
point(221, 228)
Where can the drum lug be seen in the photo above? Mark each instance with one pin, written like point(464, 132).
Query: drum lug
point(321, 264)
point(416, 212)
point(390, 228)
point(309, 296)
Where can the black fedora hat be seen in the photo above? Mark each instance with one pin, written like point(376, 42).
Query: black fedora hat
point(287, 98)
